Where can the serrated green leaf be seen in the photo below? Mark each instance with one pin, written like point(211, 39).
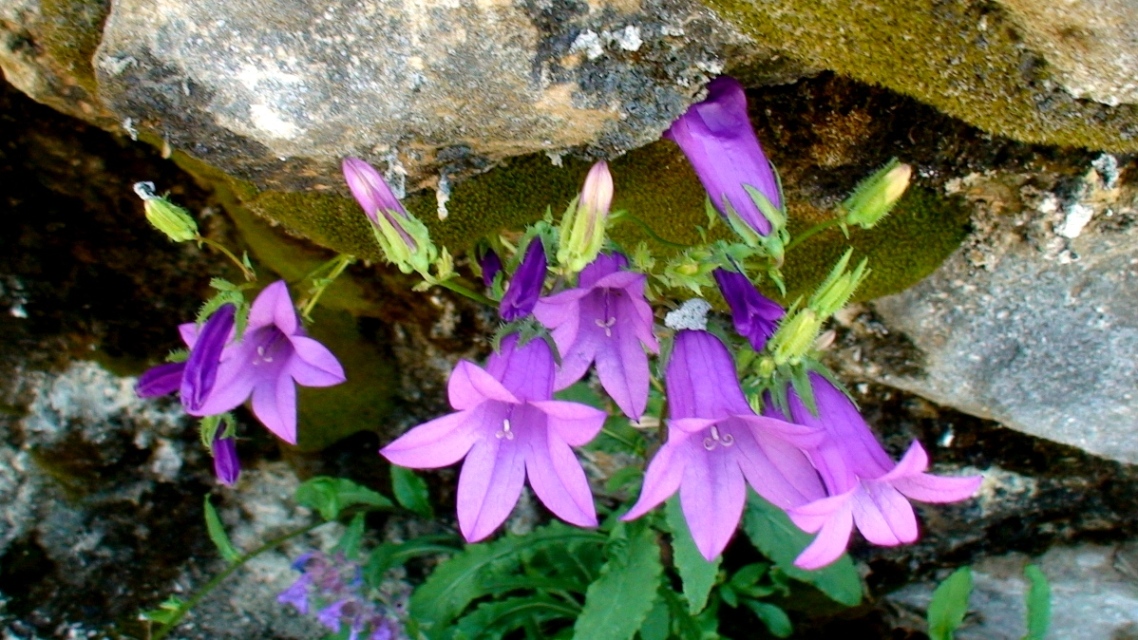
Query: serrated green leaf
point(776, 620)
point(493, 620)
point(349, 543)
point(1038, 603)
point(329, 496)
point(949, 604)
point(630, 576)
point(458, 581)
point(696, 573)
point(772, 532)
point(395, 554)
point(217, 534)
point(411, 491)
point(658, 624)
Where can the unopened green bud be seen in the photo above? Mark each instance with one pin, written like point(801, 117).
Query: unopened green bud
point(167, 217)
point(838, 288)
point(583, 226)
point(405, 242)
point(876, 195)
point(796, 336)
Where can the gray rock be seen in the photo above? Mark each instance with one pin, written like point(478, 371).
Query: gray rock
point(1034, 321)
point(279, 92)
point(1091, 46)
point(1094, 594)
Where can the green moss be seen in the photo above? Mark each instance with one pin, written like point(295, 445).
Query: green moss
point(70, 33)
point(962, 57)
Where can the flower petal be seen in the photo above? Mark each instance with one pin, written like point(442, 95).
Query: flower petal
point(712, 495)
point(558, 479)
point(236, 377)
point(526, 371)
point(274, 404)
point(812, 516)
point(573, 422)
point(777, 469)
point(313, 365)
point(470, 386)
point(490, 483)
point(622, 366)
point(798, 435)
point(925, 487)
point(160, 380)
point(844, 425)
point(831, 542)
point(665, 472)
point(201, 367)
point(883, 515)
point(273, 306)
point(701, 379)
point(604, 265)
point(442, 441)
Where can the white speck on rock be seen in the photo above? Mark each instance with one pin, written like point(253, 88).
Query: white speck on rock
point(1078, 215)
point(692, 314)
point(589, 42)
point(628, 38)
point(268, 120)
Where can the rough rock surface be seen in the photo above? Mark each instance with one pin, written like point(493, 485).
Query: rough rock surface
point(434, 87)
point(1094, 594)
point(1034, 321)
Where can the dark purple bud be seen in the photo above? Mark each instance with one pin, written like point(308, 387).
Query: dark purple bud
point(717, 137)
point(201, 368)
point(756, 317)
point(160, 380)
point(526, 284)
point(225, 462)
point(491, 264)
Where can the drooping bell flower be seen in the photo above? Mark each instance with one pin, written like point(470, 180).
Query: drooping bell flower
point(508, 427)
point(583, 227)
point(273, 357)
point(404, 239)
point(717, 445)
point(866, 487)
point(525, 285)
point(226, 465)
point(491, 266)
point(755, 316)
point(604, 320)
point(195, 377)
point(717, 137)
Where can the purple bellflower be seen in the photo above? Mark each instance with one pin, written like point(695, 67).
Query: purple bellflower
point(226, 465)
point(755, 316)
point(715, 442)
point(525, 285)
point(332, 586)
point(866, 488)
point(604, 320)
point(507, 427)
point(273, 357)
point(195, 377)
point(491, 266)
point(373, 194)
point(717, 137)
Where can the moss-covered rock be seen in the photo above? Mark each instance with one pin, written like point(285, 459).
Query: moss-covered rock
point(964, 58)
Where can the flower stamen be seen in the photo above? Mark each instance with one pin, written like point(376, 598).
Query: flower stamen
point(505, 432)
point(606, 325)
point(716, 439)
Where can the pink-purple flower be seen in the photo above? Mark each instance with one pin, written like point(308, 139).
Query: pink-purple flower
point(717, 137)
point(195, 377)
point(717, 445)
point(525, 285)
point(755, 316)
point(508, 427)
point(273, 356)
point(865, 486)
point(604, 320)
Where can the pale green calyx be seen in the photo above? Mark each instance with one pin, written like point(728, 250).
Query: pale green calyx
point(582, 230)
point(839, 286)
point(795, 337)
point(405, 242)
point(167, 217)
point(876, 195)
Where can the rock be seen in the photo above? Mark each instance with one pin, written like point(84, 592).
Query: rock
point(433, 89)
point(1094, 594)
point(1034, 321)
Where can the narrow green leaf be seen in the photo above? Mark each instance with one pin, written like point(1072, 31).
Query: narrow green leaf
point(458, 581)
point(494, 620)
point(629, 577)
point(329, 496)
point(349, 543)
point(411, 491)
point(949, 604)
point(776, 620)
point(395, 554)
point(1038, 603)
point(217, 534)
point(697, 574)
point(772, 532)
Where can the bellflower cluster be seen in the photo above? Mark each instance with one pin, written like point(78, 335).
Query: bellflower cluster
point(333, 589)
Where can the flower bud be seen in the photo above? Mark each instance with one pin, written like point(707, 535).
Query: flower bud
point(404, 239)
point(491, 265)
point(226, 464)
point(526, 284)
point(167, 217)
point(877, 194)
point(583, 226)
point(839, 286)
point(796, 336)
point(755, 316)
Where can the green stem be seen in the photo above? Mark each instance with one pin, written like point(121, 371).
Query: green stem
point(651, 233)
point(188, 605)
point(821, 226)
point(619, 438)
point(246, 271)
point(337, 265)
point(467, 292)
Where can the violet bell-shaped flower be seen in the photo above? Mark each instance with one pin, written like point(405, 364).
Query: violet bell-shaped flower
point(507, 427)
point(226, 464)
point(716, 442)
point(404, 239)
point(526, 284)
point(195, 377)
point(604, 320)
point(273, 357)
point(866, 488)
point(755, 316)
point(717, 137)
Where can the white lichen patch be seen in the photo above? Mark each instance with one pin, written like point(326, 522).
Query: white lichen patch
point(692, 314)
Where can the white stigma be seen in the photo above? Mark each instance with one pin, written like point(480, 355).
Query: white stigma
point(505, 432)
point(716, 439)
point(606, 325)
